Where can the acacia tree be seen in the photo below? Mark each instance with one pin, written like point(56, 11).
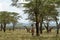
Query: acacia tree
point(40, 8)
point(6, 17)
point(47, 10)
point(14, 19)
point(50, 13)
point(35, 11)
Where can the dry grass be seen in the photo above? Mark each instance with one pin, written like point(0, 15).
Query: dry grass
point(23, 35)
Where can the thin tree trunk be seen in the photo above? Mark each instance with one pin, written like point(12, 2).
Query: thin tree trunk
point(41, 26)
point(4, 29)
point(13, 26)
point(26, 28)
point(1, 27)
point(47, 27)
point(57, 27)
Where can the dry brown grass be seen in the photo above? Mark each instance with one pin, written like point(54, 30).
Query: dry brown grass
point(23, 35)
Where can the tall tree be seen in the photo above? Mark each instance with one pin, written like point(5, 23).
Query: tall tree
point(6, 17)
point(14, 19)
point(40, 8)
point(35, 11)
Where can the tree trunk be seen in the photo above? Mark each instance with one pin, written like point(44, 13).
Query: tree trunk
point(36, 11)
point(37, 28)
point(13, 26)
point(41, 28)
point(1, 27)
point(57, 27)
point(41, 25)
point(47, 27)
point(37, 25)
point(4, 29)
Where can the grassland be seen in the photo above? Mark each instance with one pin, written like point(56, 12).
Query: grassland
point(23, 35)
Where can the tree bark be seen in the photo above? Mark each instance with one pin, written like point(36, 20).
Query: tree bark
point(37, 28)
point(13, 26)
point(37, 25)
point(1, 27)
point(4, 29)
point(37, 18)
point(57, 27)
point(41, 26)
point(47, 27)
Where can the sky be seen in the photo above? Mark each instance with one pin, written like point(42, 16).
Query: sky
point(5, 5)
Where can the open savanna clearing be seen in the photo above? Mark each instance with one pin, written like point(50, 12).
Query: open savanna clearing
point(23, 35)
